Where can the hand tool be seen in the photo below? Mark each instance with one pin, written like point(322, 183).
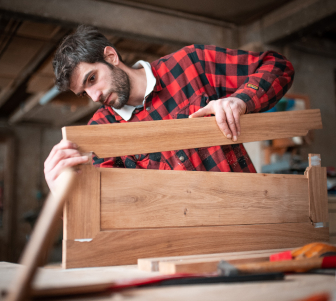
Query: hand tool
point(316, 249)
point(302, 265)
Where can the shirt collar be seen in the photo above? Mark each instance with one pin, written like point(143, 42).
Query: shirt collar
point(126, 111)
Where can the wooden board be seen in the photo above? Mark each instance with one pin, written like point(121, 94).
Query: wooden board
point(152, 264)
point(108, 140)
point(82, 209)
point(206, 265)
point(185, 199)
point(318, 191)
point(41, 238)
point(126, 246)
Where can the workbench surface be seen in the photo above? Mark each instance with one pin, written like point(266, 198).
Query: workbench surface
point(294, 287)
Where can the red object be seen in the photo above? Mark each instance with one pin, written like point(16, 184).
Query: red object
point(154, 280)
point(186, 81)
point(329, 262)
point(287, 255)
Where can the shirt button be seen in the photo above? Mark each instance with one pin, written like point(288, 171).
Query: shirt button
point(181, 158)
point(148, 108)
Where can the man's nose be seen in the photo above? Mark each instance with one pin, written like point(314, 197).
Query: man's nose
point(94, 94)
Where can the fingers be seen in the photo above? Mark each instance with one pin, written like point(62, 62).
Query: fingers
point(221, 119)
point(64, 144)
point(64, 154)
point(61, 154)
point(53, 174)
point(207, 110)
point(227, 111)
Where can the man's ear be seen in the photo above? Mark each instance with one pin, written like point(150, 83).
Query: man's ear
point(111, 56)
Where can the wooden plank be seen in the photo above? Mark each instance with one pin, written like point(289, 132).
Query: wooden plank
point(206, 265)
point(318, 191)
point(126, 246)
point(82, 209)
point(123, 19)
point(108, 140)
point(40, 240)
point(152, 264)
point(184, 198)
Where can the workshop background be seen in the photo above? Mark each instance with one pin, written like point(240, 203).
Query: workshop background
point(32, 112)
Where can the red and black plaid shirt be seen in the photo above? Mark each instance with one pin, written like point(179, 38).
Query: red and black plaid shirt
point(187, 80)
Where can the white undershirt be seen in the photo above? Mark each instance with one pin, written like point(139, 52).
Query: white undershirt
point(126, 111)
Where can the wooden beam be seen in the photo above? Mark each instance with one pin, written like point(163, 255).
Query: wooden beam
point(30, 68)
point(156, 136)
point(152, 264)
point(125, 20)
point(186, 199)
point(287, 20)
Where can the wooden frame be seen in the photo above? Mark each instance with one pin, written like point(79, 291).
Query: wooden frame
point(115, 216)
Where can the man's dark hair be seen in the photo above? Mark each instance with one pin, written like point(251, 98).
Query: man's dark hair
point(87, 45)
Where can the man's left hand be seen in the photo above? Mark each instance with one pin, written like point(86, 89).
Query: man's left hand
point(227, 111)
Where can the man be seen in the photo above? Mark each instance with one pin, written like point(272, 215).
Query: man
point(196, 81)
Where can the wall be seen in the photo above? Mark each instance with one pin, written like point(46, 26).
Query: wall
point(314, 76)
point(33, 145)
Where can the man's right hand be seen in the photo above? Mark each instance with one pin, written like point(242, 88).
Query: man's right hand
point(63, 154)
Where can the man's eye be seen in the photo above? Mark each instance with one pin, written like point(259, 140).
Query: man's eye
point(83, 94)
point(92, 78)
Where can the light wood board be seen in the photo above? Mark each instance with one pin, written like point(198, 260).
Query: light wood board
point(162, 198)
point(152, 264)
point(82, 209)
point(108, 140)
point(126, 246)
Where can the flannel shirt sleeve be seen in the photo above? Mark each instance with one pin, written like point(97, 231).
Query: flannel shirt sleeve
point(260, 79)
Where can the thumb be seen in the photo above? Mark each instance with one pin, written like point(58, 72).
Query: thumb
point(207, 110)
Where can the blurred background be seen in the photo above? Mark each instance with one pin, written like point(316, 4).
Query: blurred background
point(32, 111)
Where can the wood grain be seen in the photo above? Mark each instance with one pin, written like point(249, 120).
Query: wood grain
point(152, 264)
point(82, 209)
point(318, 191)
point(41, 238)
point(162, 198)
point(108, 140)
point(120, 247)
point(206, 265)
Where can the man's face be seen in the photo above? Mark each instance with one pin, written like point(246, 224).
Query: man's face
point(102, 82)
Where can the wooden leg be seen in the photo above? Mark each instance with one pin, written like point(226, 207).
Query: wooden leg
point(40, 240)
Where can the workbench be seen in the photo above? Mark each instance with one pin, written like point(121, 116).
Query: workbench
point(294, 287)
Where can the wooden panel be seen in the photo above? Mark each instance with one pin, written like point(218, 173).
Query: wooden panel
point(183, 198)
point(318, 191)
point(109, 140)
point(82, 209)
point(152, 264)
point(318, 194)
point(126, 246)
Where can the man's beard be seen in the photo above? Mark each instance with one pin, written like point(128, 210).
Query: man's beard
point(120, 85)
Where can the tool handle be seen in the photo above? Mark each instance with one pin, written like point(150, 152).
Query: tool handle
point(282, 266)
